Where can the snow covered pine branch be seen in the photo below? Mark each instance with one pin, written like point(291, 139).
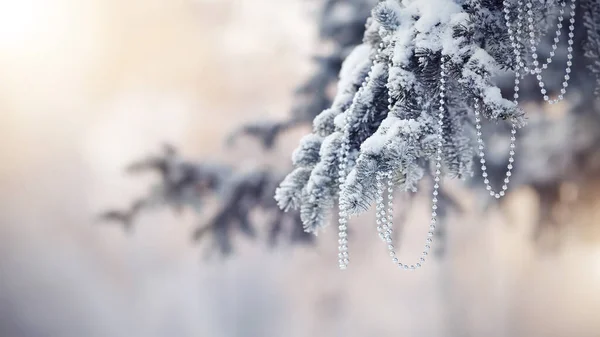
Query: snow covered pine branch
point(384, 118)
point(411, 39)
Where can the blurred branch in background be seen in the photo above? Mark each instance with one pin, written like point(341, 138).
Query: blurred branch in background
point(186, 184)
point(265, 131)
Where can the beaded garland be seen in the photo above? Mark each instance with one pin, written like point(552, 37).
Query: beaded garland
point(384, 217)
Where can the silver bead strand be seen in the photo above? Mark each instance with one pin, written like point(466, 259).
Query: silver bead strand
point(534, 55)
point(343, 254)
point(557, 34)
point(384, 218)
point(511, 154)
point(515, 40)
point(481, 145)
point(384, 223)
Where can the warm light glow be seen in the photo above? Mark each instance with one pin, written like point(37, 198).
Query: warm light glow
point(23, 22)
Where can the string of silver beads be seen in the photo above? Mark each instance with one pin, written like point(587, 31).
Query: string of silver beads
point(343, 254)
point(537, 70)
point(384, 218)
point(511, 154)
point(515, 41)
point(532, 41)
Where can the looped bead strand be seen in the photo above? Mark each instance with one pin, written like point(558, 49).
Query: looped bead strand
point(511, 153)
point(343, 254)
point(532, 42)
point(516, 41)
point(384, 218)
point(534, 55)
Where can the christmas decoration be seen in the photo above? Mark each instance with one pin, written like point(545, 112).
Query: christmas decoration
point(418, 58)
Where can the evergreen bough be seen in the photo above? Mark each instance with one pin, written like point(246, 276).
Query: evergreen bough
point(411, 36)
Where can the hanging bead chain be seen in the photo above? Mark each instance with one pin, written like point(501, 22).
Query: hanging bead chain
point(511, 155)
point(343, 255)
point(559, 25)
point(515, 41)
point(534, 55)
point(537, 70)
point(513, 130)
point(384, 218)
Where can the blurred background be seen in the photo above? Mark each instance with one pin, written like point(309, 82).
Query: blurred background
point(89, 87)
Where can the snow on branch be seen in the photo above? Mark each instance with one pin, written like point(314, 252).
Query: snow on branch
point(388, 89)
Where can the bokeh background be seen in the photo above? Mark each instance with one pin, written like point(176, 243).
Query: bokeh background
point(88, 86)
